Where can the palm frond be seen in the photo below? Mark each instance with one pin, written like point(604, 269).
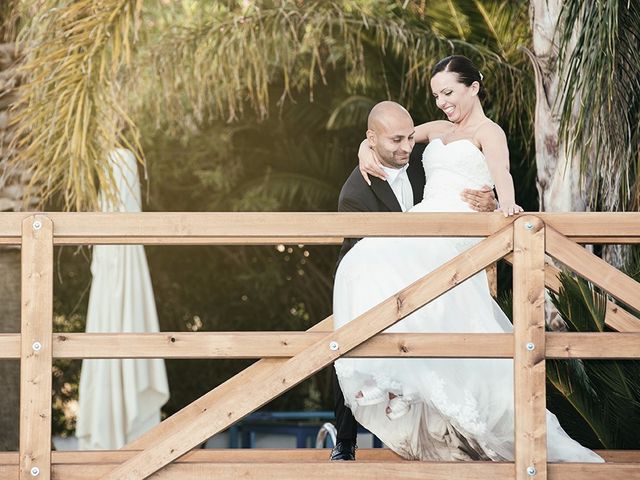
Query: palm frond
point(69, 112)
point(579, 304)
point(600, 109)
point(285, 191)
point(605, 394)
point(352, 111)
point(296, 45)
point(9, 17)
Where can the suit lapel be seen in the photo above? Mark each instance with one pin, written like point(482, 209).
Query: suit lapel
point(383, 191)
point(415, 172)
point(416, 179)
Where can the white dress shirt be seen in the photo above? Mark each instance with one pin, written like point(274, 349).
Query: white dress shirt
point(401, 186)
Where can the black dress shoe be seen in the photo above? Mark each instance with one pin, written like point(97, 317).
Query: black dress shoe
point(344, 450)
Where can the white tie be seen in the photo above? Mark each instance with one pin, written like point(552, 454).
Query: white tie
point(407, 191)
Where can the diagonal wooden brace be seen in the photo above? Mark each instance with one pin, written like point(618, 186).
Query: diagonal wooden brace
point(595, 269)
point(201, 420)
point(617, 318)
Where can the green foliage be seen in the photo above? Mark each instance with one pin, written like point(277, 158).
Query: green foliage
point(69, 112)
point(199, 61)
point(599, 399)
point(230, 56)
point(600, 106)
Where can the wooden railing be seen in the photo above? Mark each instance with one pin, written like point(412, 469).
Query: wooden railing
point(288, 358)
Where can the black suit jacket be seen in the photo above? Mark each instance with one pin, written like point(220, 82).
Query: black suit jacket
point(357, 196)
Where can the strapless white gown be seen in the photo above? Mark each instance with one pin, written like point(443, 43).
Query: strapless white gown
point(461, 409)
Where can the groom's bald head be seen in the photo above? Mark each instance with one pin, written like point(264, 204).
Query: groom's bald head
point(386, 114)
point(390, 133)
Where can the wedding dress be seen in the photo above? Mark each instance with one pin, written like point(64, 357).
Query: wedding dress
point(458, 409)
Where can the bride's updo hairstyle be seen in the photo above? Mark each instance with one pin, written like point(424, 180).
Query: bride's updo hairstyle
point(464, 68)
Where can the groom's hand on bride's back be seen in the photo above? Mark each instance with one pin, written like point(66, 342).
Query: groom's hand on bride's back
point(483, 200)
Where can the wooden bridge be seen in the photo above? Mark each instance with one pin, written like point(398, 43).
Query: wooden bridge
point(287, 358)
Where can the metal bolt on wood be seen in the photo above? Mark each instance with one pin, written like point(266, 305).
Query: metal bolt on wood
point(531, 471)
point(334, 346)
point(531, 346)
point(37, 346)
point(35, 471)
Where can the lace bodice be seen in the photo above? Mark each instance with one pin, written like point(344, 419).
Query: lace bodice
point(449, 169)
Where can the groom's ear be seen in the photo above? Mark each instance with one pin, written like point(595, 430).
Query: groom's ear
point(372, 138)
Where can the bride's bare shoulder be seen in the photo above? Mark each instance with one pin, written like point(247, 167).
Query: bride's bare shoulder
point(431, 130)
point(490, 131)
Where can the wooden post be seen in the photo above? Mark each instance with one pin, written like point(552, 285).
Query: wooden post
point(35, 363)
point(529, 349)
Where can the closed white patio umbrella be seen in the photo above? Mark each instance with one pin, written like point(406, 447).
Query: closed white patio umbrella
point(120, 398)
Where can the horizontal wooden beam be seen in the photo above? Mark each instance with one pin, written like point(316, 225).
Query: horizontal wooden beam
point(289, 240)
point(272, 344)
point(258, 455)
point(9, 345)
point(279, 227)
point(176, 228)
point(628, 240)
point(321, 469)
point(611, 345)
point(220, 345)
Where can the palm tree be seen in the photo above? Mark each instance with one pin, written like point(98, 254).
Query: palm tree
point(26, 147)
point(587, 64)
point(69, 114)
point(11, 199)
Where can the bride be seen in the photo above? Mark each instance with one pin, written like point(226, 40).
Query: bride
point(437, 409)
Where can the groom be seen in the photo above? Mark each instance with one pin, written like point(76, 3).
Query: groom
point(390, 135)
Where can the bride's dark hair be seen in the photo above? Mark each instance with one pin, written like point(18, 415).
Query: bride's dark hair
point(465, 69)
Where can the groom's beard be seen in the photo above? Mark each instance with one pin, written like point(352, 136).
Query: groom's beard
point(399, 161)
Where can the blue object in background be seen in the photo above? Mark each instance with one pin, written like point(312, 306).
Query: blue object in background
point(304, 426)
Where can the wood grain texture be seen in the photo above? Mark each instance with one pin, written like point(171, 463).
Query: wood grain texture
point(237, 382)
point(226, 409)
point(268, 345)
point(271, 345)
point(258, 455)
point(36, 350)
point(9, 345)
point(594, 268)
point(321, 469)
point(270, 227)
point(529, 363)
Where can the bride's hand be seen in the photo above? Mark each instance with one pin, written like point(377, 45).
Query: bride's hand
point(509, 210)
point(369, 163)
